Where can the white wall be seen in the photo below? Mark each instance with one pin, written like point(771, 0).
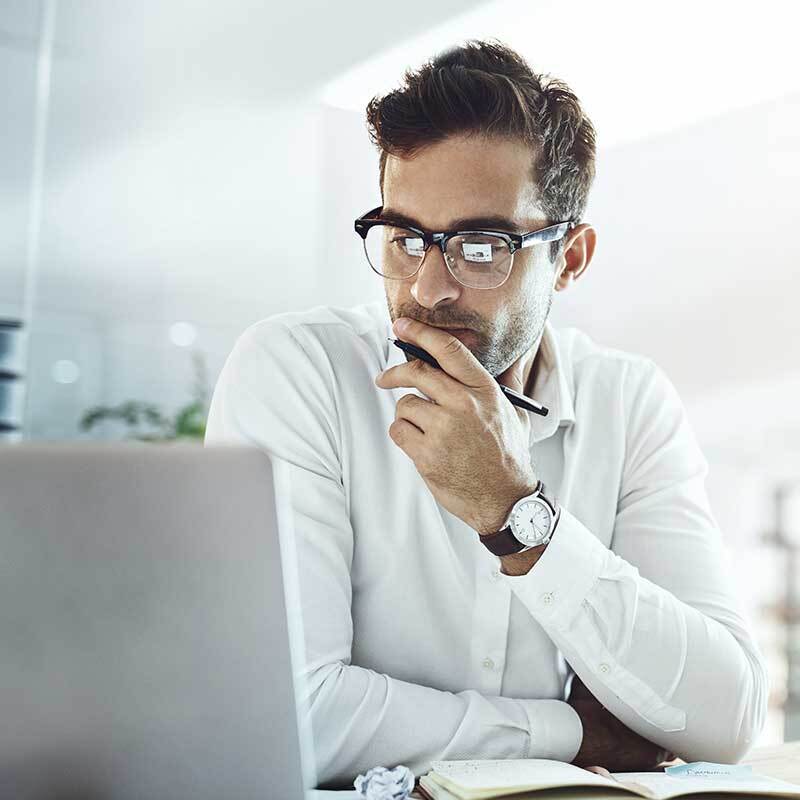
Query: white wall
point(181, 181)
point(198, 221)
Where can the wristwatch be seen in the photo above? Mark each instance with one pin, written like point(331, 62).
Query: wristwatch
point(531, 523)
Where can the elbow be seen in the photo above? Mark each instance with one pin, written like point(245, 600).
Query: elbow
point(316, 715)
point(726, 750)
point(753, 713)
point(332, 711)
point(729, 738)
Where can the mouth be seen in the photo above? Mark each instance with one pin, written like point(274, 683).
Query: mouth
point(459, 333)
point(451, 330)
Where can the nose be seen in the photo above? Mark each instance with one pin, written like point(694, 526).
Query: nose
point(433, 284)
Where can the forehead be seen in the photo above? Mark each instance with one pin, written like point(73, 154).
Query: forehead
point(462, 178)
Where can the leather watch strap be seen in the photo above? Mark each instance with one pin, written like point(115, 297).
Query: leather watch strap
point(504, 543)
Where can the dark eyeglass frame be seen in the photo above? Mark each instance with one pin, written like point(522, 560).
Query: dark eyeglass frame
point(515, 241)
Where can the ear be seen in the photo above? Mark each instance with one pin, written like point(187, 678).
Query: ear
point(576, 255)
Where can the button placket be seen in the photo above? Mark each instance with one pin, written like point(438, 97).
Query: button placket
point(489, 624)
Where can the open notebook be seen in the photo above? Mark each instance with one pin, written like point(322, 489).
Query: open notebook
point(539, 778)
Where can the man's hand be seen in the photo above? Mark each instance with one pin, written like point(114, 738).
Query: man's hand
point(469, 444)
point(607, 742)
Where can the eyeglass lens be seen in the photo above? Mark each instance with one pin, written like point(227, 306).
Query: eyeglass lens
point(480, 261)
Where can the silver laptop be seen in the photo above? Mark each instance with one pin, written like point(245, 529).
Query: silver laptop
point(144, 644)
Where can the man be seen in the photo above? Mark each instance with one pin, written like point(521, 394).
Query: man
point(479, 581)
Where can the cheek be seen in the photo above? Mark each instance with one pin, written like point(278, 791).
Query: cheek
point(535, 280)
point(524, 294)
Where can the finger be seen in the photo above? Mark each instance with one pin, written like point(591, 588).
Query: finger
point(418, 411)
point(407, 437)
point(454, 357)
point(599, 771)
point(434, 383)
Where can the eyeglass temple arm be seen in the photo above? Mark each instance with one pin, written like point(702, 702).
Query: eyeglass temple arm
point(549, 234)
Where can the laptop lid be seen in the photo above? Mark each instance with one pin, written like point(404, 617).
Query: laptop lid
point(144, 644)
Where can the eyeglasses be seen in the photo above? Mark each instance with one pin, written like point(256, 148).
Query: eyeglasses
point(476, 259)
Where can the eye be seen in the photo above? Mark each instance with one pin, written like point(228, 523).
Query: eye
point(410, 245)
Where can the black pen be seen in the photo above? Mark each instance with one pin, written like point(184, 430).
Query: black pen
point(515, 398)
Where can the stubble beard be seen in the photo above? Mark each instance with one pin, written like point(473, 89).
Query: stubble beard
point(495, 351)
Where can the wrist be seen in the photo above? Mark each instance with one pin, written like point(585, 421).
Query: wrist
point(525, 532)
point(498, 521)
point(521, 563)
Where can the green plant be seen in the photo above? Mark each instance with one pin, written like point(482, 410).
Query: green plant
point(147, 423)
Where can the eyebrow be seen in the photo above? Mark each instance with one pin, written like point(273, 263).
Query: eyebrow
point(492, 222)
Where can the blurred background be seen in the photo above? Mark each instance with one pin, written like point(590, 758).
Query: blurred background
point(171, 173)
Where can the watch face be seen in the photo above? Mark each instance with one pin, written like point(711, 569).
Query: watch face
point(531, 522)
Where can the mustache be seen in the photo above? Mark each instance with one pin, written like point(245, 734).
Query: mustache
point(443, 323)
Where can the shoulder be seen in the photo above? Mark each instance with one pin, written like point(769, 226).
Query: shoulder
point(582, 352)
point(319, 336)
point(586, 361)
point(280, 386)
point(608, 380)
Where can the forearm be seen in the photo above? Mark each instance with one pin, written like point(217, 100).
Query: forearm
point(361, 718)
point(670, 673)
point(706, 700)
point(607, 742)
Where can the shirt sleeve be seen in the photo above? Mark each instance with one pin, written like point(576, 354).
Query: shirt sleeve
point(276, 392)
point(651, 626)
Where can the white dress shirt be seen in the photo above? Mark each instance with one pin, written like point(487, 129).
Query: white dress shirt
point(417, 646)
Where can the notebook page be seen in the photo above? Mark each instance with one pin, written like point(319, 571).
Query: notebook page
point(663, 786)
point(438, 792)
point(477, 779)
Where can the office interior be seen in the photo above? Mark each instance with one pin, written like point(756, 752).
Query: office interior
point(171, 173)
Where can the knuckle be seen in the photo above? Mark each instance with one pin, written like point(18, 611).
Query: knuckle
point(467, 402)
point(396, 431)
point(405, 402)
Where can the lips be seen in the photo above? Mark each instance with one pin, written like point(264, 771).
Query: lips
point(460, 333)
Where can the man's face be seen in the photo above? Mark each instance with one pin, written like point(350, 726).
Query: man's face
point(473, 178)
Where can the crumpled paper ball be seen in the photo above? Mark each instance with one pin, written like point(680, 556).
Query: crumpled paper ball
point(380, 783)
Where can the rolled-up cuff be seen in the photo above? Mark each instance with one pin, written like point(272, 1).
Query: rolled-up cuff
point(556, 729)
point(555, 587)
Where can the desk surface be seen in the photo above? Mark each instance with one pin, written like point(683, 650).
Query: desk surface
point(780, 761)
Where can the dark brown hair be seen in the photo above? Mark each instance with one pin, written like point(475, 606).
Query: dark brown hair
point(486, 88)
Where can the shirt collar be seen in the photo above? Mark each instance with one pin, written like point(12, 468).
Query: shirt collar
point(552, 384)
point(552, 387)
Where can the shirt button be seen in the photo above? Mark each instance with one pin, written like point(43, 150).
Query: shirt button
point(547, 598)
point(604, 667)
point(488, 663)
point(495, 576)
